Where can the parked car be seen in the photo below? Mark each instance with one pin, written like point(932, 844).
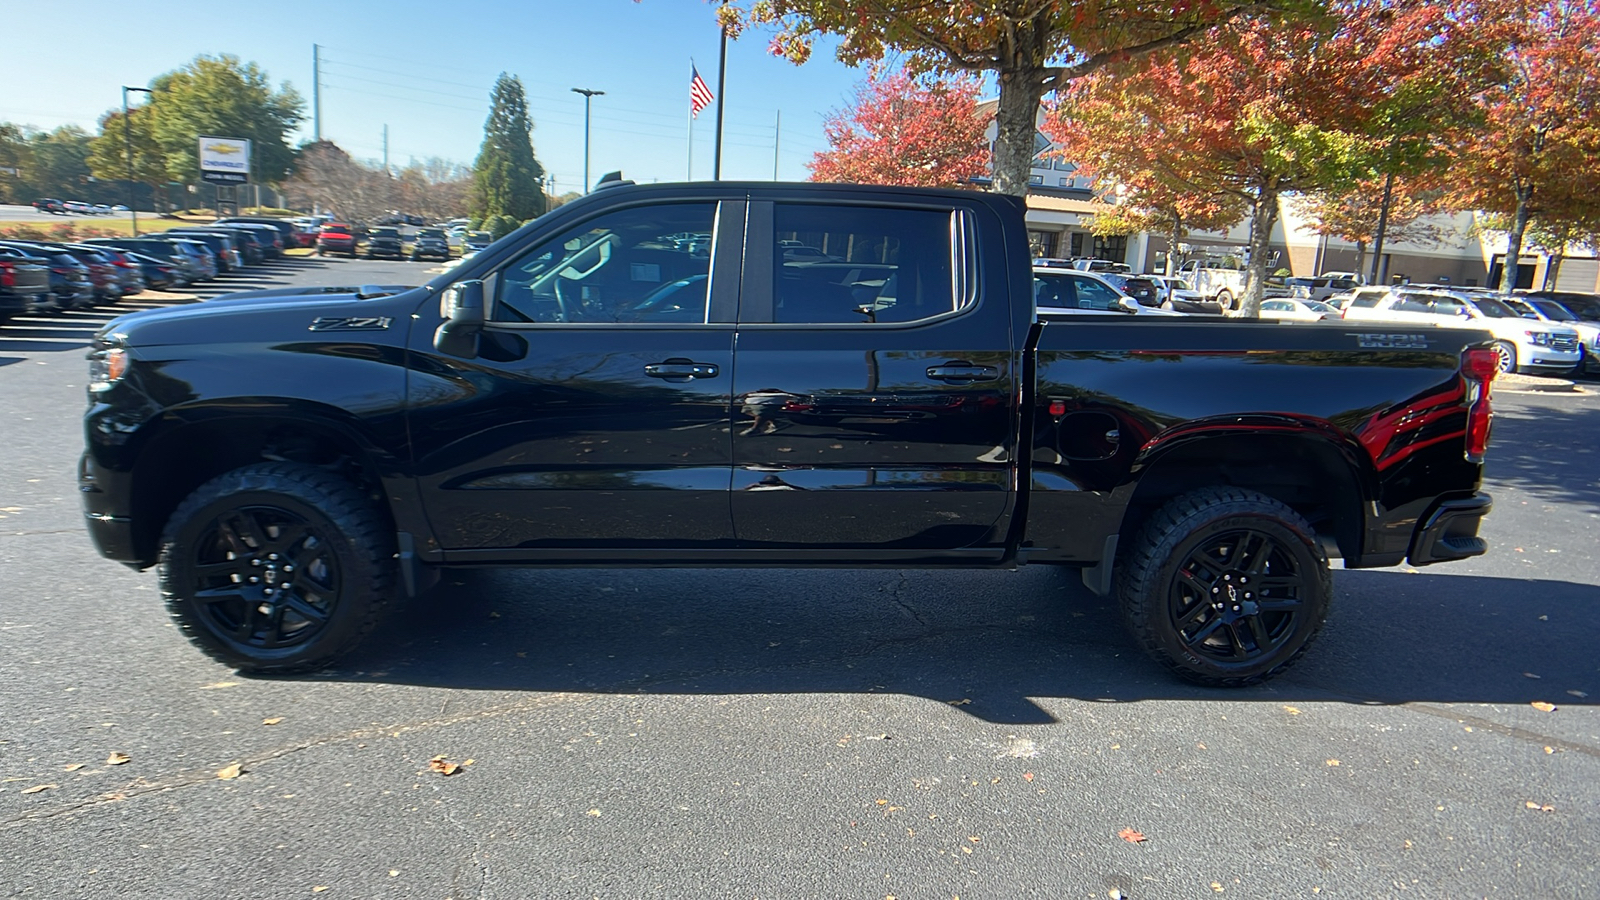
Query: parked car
point(1139, 287)
point(102, 209)
point(70, 287)
point(1073, 292)
point(1553, 313)
point(285, 228)
point(158, 274)
point(103, 272)
point(1176, 295)
point(430, 242)
point(182, 257)
point(1584, 306)
point(229, 259)
point(475, 241)
point(130, 279)
point(252, 241)
point(1520, 345)
point(1100, 266)
point(209, 266)
point(1296, 309)
point(1198, 471)
point(268, 237)
point(24, 283)
point(334, 238)
point(385, 241)
point(50, 205)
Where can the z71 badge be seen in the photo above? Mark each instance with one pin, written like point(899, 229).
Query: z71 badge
point(350, 323)
point(1369, 341)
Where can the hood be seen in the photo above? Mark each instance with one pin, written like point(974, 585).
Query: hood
point(268, 319)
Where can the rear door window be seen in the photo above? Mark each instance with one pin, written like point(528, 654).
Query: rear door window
point(836, 264)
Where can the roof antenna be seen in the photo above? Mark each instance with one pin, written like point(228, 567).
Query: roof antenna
point(611, 179)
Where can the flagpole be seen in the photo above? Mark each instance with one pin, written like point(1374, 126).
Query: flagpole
point(688, 174)
point(722, 97)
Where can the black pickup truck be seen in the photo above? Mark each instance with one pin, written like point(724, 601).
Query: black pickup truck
point(659, 376)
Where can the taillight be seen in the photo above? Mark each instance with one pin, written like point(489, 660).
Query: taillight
point(1479, 365)
point(8, 274)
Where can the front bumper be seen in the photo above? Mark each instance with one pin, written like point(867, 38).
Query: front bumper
point(1450, 531)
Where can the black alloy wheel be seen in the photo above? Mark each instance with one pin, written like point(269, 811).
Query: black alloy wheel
point(277, 567)
point(1224, 586)
point(264, 578)
point(1235, 597)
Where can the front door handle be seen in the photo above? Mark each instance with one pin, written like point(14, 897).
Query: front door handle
point(681, 370)
point(963, 373)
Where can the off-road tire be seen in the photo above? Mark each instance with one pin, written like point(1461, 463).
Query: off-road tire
point(346, 529)
point(1150, 592)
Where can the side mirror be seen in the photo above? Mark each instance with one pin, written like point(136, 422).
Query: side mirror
point(1128, 304)
point(461, 304)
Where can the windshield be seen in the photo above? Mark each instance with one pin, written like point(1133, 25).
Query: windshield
point(1492, 308)
point(1319, 306)
point(1554, 311)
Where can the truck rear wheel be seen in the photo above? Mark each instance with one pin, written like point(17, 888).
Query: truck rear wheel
point(1225, 301)
point(1225, 586)
point(276, 567)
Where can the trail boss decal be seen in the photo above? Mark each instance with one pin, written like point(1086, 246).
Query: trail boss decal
point(1390, 341)
point(350, 323)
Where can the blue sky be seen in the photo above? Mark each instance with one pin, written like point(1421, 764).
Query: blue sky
point(425, 70)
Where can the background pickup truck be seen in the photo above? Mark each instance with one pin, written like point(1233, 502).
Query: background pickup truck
point(652, 376)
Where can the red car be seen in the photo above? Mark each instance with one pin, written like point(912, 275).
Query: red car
point(336, 238)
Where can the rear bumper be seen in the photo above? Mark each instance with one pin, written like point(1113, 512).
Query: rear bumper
point(1450, 531)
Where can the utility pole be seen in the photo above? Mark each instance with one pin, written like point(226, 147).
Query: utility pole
point(127, 137)
point(587, 96)
point(722, 101)
point(777, 133)
point(316, 93)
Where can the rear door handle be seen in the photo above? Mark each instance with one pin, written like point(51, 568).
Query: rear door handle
point(962, 374)
point(681, 370)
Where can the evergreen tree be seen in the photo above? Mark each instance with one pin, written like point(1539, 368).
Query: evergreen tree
point(507, 179)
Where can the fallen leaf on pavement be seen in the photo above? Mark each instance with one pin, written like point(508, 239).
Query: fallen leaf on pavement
point(1333, 762)
point(1027, 776)
point(117, 758)
point(1530, 675)
point(230, 773)
point(72, 767)
point(592, 812)
point(1542, 706)
point(1578, 693)
point(37, 788)
point(1216, 886)
point(442, 766)
point(1291, 711)
point(1542, 807)
point(319, 889)
point(218, 684)
point(272, 721)
point(1131, 836)
point(962, 702)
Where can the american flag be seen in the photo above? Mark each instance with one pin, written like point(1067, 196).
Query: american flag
point(700, 96)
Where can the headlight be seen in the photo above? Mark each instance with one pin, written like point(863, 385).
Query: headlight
point(106, 368)
point(1542, 338)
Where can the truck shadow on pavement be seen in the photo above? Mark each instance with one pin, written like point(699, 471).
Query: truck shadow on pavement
point(991, 643)
point(1550, 451)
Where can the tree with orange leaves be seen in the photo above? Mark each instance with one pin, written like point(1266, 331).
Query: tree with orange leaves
point(902, 131)
point(1263, 109)
point(1536, 157)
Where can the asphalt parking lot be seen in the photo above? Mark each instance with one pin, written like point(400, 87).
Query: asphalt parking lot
point(790, 733)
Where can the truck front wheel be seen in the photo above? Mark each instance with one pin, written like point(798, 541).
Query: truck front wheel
point(1225, 301)
point(1224, 586)
point(276, 567)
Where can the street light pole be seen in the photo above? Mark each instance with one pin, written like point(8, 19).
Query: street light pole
point(587, 95)
point(127, 137)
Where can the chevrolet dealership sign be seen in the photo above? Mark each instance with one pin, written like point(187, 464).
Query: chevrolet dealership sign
point(225, 160)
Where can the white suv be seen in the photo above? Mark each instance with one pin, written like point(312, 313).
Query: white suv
point(1523, 344)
